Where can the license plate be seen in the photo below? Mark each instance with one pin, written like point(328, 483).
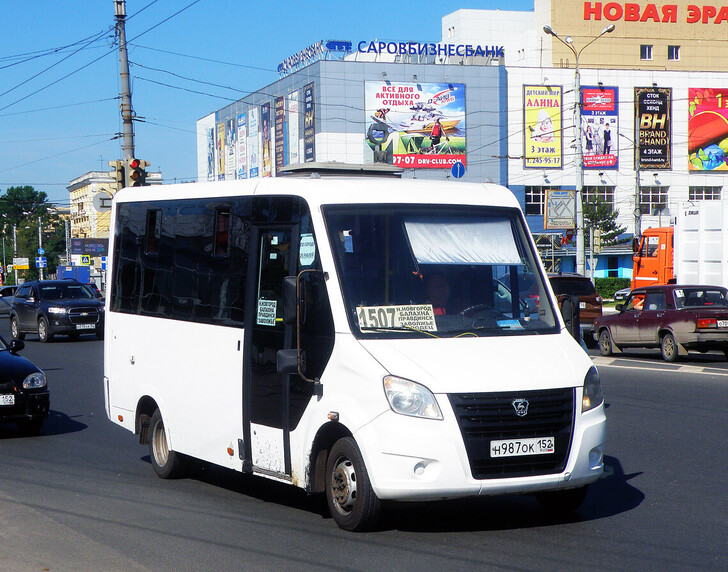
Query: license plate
point(723, 323)
point(519, 447)
point(582, 305)
point(85, 326)
point(7, 399)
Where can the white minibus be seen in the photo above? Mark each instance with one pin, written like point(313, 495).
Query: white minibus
point(369, 338)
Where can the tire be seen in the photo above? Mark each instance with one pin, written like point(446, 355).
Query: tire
point(668, 348)
point(30, 426)
point(562, 502)
point(589, 342)
point(352, 501)
point(167, 464)
point(43, 333)
point(605, 342)
point(15, 329)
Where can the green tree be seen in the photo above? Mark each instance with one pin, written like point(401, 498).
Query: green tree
point(30, 210)
point(599, 215)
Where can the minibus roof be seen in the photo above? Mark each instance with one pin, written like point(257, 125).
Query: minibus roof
point(335, 190)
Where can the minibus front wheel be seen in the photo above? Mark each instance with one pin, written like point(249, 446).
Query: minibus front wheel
point(167, 464)
point(352, 501)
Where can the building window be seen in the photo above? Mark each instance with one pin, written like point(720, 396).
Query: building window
point(645, 52)
point(603, 193)
point(673, 53)
point(704, 193)
point(535, 200)
point(653, 201)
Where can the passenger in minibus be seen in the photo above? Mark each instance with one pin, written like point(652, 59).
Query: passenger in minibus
point(438, 293)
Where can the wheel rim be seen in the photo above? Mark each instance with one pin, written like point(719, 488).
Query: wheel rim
point(14, 328)
point(42, 332)
point(343, 486)
point(668, 346)
point(604, 342)
point(159, 445)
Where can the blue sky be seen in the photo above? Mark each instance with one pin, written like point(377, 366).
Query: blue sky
point(59, 72)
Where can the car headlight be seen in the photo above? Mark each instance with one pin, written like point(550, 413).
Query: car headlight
point(409, 398)
point(57, 310)
point(593, 395)
point(35, 381)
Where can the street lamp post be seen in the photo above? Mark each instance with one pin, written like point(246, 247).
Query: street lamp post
point(568, 41)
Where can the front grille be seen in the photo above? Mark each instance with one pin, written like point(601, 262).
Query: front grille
point(83, 315)
point(484, 417)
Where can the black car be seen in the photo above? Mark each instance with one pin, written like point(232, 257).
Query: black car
point(24, 396)
point(50, 307)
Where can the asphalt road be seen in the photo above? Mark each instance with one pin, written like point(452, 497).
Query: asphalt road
point(83, 496)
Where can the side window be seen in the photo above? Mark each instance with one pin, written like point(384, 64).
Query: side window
point(153, 231)
point(635, 302)
point(655, 301)
point(23, 292)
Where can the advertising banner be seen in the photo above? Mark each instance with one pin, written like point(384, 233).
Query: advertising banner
point(253, 143)
point(242, 165)
point(707, 129)
point(653, 126)
point(210, 138)
point(293, 132)
point(230, 148)
point(279, 107)
point(415, 125)
point(543, 143)
point(265, 151)
point(220, 151)
point(309, 124)
point(599, 127)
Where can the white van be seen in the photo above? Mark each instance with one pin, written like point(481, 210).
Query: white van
point(346, 335)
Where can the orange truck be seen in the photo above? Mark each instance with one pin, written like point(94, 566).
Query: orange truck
point(694, 251)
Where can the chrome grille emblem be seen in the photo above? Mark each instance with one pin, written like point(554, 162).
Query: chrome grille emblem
point(521, 407)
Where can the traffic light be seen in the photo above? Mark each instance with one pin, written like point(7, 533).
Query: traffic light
point(597, 246)
point(137, 174)
point(117, 174)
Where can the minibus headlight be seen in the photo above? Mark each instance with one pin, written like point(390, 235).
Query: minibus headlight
point(592, 396)
point(35, 381)
point(409, 398)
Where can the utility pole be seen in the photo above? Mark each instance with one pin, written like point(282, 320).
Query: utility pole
point(15, 252)
point(637, 211)
point(126, 109)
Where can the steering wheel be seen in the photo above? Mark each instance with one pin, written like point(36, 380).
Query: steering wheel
point(475, 308)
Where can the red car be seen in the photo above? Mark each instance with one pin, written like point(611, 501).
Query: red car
point(674, 318)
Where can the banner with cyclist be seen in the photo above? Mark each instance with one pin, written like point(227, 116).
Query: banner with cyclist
point(415, 125)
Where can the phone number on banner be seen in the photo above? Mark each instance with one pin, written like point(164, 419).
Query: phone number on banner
point(416, 161)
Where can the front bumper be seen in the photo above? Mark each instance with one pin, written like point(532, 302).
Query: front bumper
point(72, 323)
point(27, 406)
point(419, 459)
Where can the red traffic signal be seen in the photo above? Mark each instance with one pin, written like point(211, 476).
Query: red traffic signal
point(137, 174)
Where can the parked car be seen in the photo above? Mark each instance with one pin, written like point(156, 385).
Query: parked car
point(674, 318)
point(621, 295)
point(590, 303)
point(50, 307)
point(24, 396)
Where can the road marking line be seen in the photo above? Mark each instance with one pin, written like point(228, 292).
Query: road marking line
point(640, 364)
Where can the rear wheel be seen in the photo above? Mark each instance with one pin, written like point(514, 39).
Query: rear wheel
point(15, 329)
point(167, 464)
point(563, 501)
point(605, 342)
point(351, 499)
point(43, 333)
point(668, 347)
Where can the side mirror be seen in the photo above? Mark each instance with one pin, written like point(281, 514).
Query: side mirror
point(290, 300)
point(619, 307)
point(287, 362)
point(635, 245)
point(30, 300)
point(16, 346)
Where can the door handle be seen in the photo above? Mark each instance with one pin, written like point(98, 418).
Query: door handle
point(660, 314)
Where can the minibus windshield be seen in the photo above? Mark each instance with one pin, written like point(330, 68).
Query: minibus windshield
point(437, 271)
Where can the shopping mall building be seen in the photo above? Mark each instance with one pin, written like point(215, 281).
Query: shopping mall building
point(654, 111)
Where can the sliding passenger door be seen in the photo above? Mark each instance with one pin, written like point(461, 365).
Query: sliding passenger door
point(266, 421)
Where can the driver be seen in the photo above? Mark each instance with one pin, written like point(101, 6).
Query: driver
point(438, 293)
